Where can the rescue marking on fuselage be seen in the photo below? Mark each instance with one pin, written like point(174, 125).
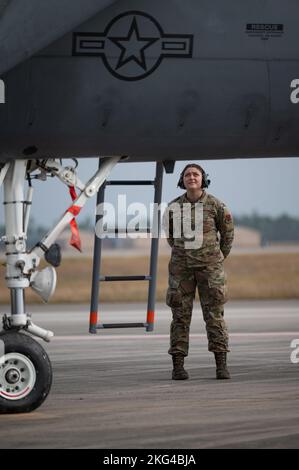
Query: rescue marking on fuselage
point(264, 31)
point(133, 45)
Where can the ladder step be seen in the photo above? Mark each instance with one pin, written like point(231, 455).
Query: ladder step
point(130, 182)
point(125, 278)
point(101, 326)
point(125, 230)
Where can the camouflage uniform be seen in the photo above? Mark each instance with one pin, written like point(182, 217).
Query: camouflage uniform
point(201, 268)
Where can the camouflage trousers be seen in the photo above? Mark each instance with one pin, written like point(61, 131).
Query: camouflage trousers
point(211, 284)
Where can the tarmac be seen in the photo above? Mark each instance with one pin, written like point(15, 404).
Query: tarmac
point(114, 389)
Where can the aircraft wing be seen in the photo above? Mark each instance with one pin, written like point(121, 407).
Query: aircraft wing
point(28, 26)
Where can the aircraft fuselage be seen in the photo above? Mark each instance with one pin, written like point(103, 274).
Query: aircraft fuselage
point(160, 80)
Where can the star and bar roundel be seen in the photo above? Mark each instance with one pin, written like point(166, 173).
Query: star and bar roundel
point(133, 45)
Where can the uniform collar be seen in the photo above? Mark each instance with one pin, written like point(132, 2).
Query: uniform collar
point(202, 198)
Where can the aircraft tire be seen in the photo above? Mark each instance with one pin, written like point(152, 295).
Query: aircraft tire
point(25, 373)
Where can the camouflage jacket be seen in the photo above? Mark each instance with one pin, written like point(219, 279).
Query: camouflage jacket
point(216, 227)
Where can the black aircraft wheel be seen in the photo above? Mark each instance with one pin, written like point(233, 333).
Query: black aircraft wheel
point(25, 373)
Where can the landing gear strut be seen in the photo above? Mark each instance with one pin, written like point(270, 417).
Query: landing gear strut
point(25, 369)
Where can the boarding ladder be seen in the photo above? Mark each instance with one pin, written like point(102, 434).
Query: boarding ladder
point(94, 323)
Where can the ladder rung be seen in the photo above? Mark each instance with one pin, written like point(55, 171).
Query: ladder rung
point(125, 230)
point(130, 182)
point(125, 278)
point(101, 326)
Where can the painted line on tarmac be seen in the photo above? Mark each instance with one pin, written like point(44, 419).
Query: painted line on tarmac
point(55, 316)
point(100, 337)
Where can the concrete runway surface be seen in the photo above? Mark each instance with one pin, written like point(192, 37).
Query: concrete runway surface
point(114, 389)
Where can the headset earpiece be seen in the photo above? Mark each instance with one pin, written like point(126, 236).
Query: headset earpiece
point(205, 180)
point(181, 181)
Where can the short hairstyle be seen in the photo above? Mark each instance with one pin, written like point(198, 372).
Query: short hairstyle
point(205, 180)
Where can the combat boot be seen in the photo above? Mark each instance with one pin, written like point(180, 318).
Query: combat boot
point(179, 373)
point(221, 367)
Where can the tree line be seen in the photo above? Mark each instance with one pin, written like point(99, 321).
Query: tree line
point(282, 228)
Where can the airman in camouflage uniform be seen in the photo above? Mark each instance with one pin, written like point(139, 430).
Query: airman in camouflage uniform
point(198, 267)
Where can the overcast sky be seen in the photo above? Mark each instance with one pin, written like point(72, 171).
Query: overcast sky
point(267, 186)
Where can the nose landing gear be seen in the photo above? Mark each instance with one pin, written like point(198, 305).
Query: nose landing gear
point(25, 369)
